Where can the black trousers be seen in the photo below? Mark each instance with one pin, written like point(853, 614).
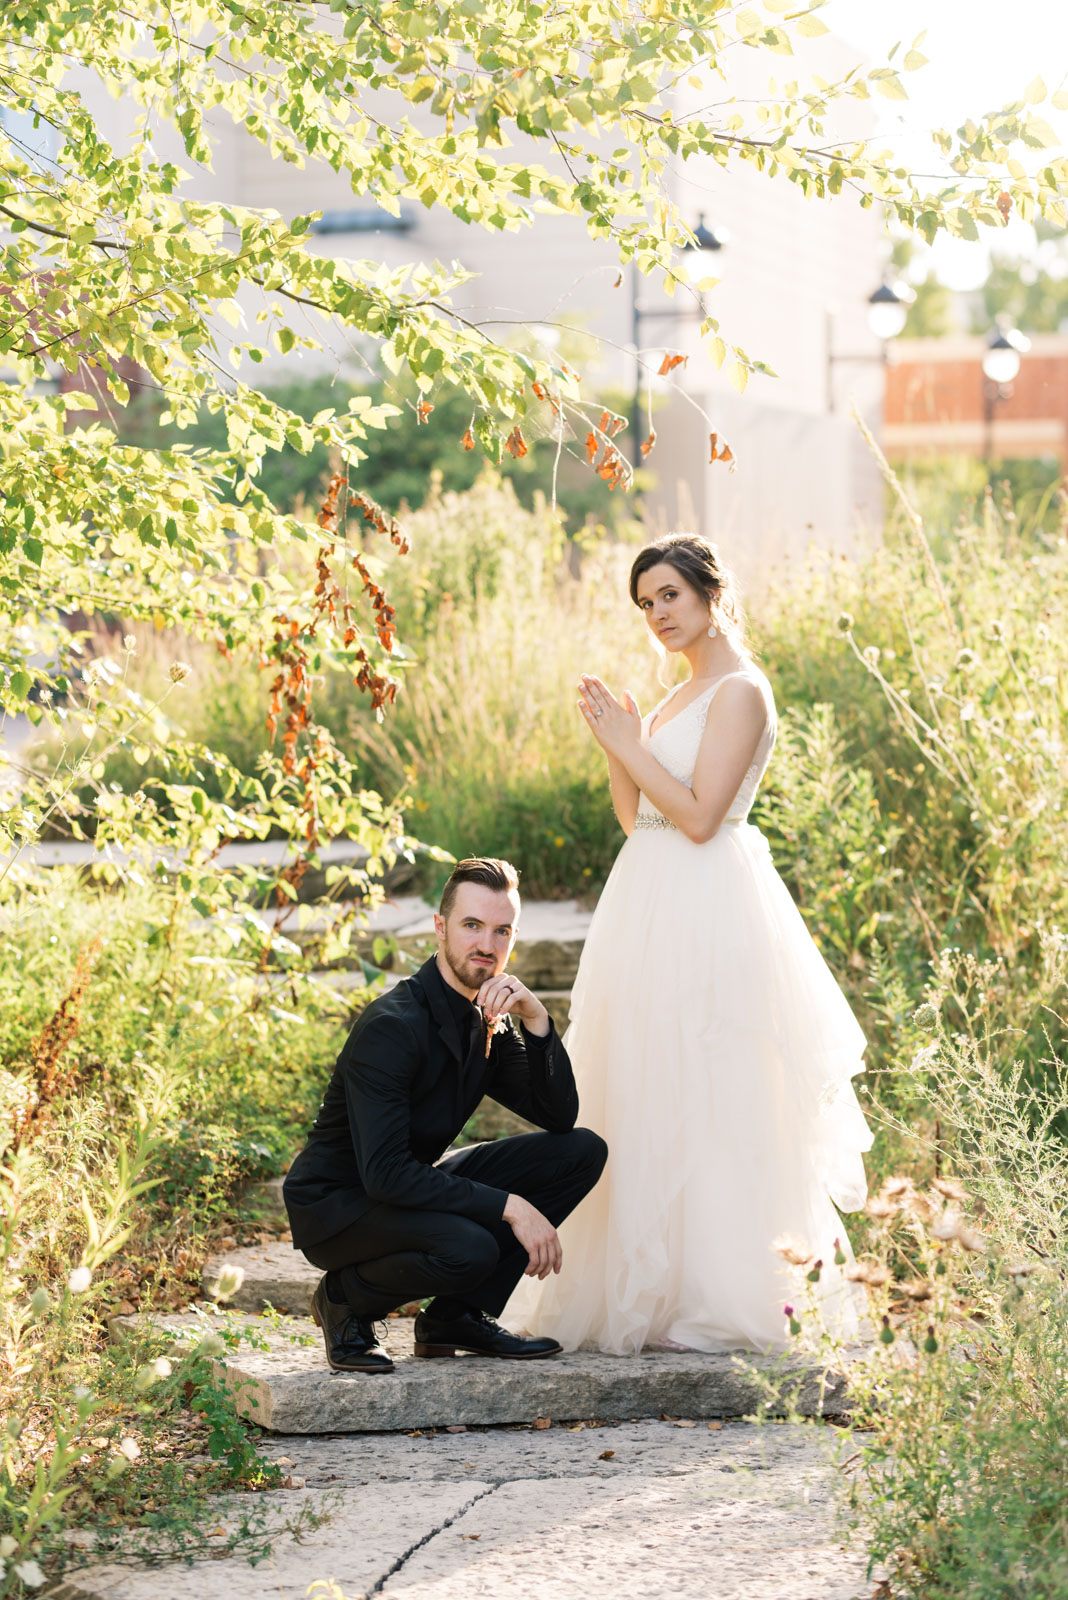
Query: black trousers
point(394, 1254)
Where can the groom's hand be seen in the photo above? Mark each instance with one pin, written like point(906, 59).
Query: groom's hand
point(536, 1234)
point(505, 995)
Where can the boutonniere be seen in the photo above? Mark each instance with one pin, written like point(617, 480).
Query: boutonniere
point(492, 1025)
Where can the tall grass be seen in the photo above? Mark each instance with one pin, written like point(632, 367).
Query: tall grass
point(146, 1071)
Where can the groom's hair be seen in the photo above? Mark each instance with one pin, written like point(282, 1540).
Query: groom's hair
point(486, 870)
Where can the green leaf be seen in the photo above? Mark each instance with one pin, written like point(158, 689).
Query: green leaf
point(891, 87)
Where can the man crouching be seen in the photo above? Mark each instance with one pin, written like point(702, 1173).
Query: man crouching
point(372, 1199)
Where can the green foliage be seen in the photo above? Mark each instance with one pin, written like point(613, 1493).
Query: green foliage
point(959, 1407)
point(931, 314)
point(146, 1071)
point(402, 464)
point(1031, 291)
point(109, 270)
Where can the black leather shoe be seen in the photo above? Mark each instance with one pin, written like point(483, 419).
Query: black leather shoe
point(478, 1333)
point(351, 1343)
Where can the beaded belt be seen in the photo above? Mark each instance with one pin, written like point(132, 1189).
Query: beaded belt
point(653, 819)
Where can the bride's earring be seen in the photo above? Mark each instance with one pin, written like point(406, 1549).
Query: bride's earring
point(713, 631)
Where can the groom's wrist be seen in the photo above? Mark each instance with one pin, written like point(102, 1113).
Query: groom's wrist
point(538, 1025)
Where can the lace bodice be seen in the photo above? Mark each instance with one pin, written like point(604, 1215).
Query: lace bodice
point(675, 743)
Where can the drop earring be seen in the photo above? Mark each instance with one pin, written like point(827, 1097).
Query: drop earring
point(713, 631)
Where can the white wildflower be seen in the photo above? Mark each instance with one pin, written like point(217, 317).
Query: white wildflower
point(30, 1573)
point(130, 1449)
point(8, 1546)
point(969, 709)
point(227, 1283)
point(947, 1226)
point(969, 1239)
point(162, 1367)
point(178, 671)
point(79, 1280)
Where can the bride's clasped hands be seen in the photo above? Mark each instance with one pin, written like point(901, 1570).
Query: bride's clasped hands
point(615, 724)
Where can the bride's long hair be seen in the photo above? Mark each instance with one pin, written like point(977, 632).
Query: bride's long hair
point(699, 563)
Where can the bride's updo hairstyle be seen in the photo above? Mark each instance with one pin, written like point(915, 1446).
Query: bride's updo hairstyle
point(698, 563)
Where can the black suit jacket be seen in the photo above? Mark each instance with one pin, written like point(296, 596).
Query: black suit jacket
point(403, 1087)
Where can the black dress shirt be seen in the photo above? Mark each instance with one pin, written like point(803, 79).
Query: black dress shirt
point(411, 1072)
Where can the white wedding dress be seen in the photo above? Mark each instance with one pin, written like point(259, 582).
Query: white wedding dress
point(713, 1050)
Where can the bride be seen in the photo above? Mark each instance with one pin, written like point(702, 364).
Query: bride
point(711, 1045)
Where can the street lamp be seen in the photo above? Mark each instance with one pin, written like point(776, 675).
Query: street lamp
point(704, 238)
point(1001, 363)
point(888, 309)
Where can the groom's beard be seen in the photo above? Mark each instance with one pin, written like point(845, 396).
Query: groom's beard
point(463, 968)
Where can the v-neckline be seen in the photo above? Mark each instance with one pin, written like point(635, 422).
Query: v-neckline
point(669, 697)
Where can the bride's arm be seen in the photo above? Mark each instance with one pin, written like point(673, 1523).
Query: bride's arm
point(736, 720)
point(624, 793)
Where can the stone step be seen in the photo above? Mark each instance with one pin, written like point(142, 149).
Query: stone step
point(274, 1276)
point(284, 1385)
point(262, 1202)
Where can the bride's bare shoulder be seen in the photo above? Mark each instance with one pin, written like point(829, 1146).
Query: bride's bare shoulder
point(745, 697)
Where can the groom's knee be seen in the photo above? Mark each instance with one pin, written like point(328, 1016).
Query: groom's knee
point(589, 1151)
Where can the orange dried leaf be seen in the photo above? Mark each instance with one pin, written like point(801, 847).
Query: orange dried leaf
point(515, 444)
point(591, 446)
point(423, 409)
point(647, 444)
point(669, 362)
point(1004, 204)
point(468, 440)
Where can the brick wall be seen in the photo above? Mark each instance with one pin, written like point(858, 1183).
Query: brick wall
point(935, 400)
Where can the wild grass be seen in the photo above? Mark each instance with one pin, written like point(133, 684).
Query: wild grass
point(147, 1070)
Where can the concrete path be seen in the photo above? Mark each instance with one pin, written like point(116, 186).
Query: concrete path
point(651, 1509)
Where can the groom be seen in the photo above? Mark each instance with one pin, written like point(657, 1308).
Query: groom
point(373, 1201)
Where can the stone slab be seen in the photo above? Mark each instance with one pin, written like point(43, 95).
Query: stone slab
point(276, 1276)
point(286, 1387)
point(363, 1539)
point(742, 1511)
point(262, 1202)
point(652, 1538)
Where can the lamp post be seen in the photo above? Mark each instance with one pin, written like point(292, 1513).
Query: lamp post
point(704, 238)
point(888, 310)
point(1001, 363)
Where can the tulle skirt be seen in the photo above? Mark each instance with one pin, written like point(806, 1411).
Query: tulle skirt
point(713, 1050)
